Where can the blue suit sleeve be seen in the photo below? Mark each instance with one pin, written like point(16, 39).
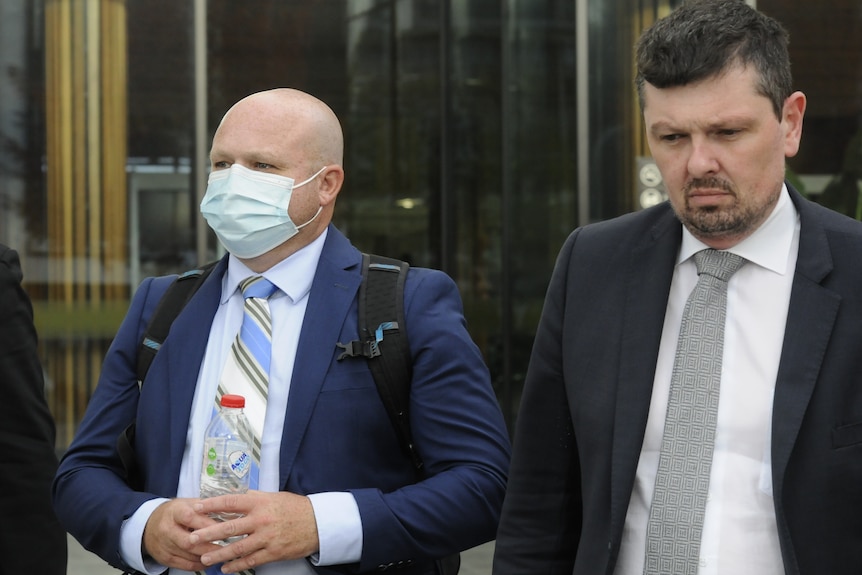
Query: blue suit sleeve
point(459, 430)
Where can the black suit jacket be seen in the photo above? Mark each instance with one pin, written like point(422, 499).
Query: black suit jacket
point(587, 393)
point(32, 540)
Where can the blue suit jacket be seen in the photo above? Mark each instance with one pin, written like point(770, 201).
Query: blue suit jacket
point(588, 389)
point(337, 436)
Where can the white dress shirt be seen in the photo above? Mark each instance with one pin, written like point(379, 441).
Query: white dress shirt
point(337, 515)
point(739, 534)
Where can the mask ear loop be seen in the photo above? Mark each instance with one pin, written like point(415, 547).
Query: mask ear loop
point(320, 171)
point(319, 208)
point(314, 217)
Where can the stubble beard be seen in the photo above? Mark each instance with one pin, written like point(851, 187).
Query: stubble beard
point(737, 221)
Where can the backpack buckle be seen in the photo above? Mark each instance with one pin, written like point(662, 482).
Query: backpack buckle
point(358, 348)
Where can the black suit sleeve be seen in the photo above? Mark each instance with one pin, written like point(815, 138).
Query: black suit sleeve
point(37, 543)
point(541, 519)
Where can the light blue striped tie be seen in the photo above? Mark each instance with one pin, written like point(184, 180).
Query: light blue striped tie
point(246, 370)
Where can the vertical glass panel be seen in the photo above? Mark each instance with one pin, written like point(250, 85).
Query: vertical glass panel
point(63, 184)
point(416, 188)
point(622, 176)
point(472, 234)
point(393, 123)
point(265, 44)
point(22, 129)
point(162, 204)
point(826, 52)
point(370, 123)
point(539, 167)
point(23, 200)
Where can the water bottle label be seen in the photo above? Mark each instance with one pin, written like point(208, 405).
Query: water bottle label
point(240, 463)
point(226, 461)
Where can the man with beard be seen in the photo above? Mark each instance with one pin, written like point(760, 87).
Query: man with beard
point(645, 446)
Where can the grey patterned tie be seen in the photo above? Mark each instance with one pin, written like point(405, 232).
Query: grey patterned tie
point(676, 516)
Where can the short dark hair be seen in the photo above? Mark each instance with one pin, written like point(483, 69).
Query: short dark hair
point(703, 38)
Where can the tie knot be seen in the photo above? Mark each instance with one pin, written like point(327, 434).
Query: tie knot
point(257, 287)
point(718, 264)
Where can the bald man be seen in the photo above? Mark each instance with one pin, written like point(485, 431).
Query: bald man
point(335, 492)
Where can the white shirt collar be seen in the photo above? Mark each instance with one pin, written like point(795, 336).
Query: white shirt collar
point(293, 275)
point(769, 246)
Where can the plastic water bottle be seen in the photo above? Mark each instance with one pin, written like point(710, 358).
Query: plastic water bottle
point(227, 452)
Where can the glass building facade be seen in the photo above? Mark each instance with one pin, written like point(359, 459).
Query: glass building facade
point(479, 133)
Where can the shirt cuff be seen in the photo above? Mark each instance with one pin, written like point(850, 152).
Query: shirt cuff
point(339, 528)
point(132, 537)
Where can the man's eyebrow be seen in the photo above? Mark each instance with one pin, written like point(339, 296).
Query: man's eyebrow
point(262, 157)
point(256, 156)
point(711, 125)
point(663, 126)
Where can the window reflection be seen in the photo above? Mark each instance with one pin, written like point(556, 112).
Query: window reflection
point(463, 148)
point(826, 51)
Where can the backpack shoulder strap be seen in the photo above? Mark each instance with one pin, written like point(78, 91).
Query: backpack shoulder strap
point(383, 342)
point(168, 308)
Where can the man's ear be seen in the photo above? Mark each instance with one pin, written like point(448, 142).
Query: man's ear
point(330, 184)
point(792, 114)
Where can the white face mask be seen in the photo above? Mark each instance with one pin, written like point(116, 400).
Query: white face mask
point(247, 209)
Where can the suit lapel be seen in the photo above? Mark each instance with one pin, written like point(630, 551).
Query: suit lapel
point(812, 313)
point(336, 282)
point(648, 278)
point(185, 351)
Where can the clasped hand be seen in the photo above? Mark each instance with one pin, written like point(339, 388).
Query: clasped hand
point(278, 527)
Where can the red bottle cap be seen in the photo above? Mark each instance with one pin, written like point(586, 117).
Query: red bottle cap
point(229, 400)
